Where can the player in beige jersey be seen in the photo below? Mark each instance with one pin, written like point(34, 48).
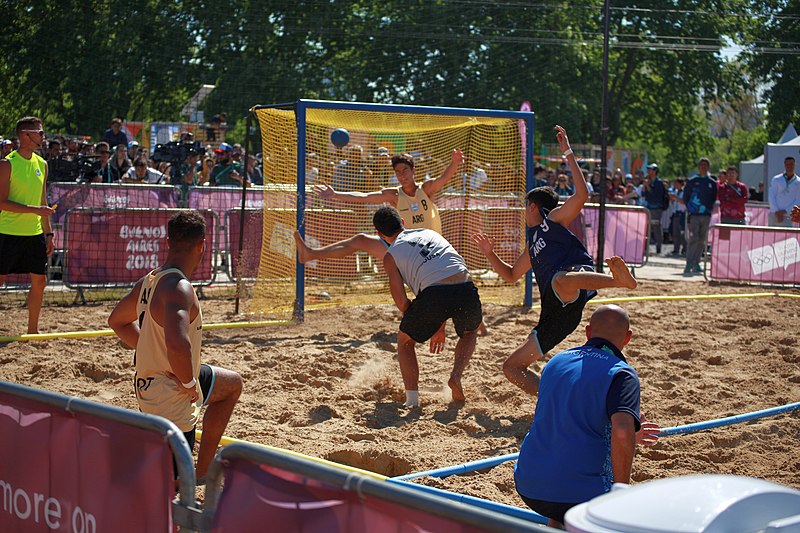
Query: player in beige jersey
point(162, 320)
point(414, 201)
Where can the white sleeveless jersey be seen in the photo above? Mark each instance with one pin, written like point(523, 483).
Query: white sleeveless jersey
point(424, 258)
point(418, 211)
point(156, 393)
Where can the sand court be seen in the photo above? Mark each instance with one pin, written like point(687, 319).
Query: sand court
point(330, 387)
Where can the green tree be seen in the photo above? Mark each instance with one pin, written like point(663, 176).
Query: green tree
point(774, 59)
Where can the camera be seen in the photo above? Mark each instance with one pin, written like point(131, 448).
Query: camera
point(71, 168)
point(175, 151)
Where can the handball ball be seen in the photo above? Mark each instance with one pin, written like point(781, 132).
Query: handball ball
point(340, 137)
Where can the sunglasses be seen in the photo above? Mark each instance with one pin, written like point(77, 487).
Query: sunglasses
point(40, 132)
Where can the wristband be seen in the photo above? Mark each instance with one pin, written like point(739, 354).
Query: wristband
point(568, 152)
point(190, 384)
point(49, 234)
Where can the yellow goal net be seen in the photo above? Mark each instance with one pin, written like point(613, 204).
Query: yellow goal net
point(485, 194)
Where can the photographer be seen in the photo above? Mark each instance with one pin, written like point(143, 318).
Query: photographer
point(184, 175)
point(105, 173)
point(141, 173)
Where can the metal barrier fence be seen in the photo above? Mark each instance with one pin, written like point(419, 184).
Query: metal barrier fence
point(756, 255)
point(74, 465)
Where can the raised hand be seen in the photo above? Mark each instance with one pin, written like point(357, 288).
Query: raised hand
point(563, 140)
point(457, 156)
point(324, 191)
point(484, 243)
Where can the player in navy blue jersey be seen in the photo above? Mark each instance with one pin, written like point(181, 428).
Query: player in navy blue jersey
point(563, 268)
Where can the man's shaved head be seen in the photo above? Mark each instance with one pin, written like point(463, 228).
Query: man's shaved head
point(610, 322)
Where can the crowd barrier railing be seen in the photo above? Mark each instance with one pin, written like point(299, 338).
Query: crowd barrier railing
point(264, 486)
point(74, 465)
point(117, 247)
point(755, 254)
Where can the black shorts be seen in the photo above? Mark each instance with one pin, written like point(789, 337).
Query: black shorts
point(23, 254)
point(435, 304)
point(206, 380)
point(554, 510)
point(556, 320)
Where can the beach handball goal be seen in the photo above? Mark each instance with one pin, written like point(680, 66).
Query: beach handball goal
point(348, 146)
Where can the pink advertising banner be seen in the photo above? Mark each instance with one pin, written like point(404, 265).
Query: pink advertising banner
point(222, 199)
point(256, 495)
point(118, 247)
point(754, 215)
point(73, 472)
point(755, 254)
point(67, 196)
point(626, 233)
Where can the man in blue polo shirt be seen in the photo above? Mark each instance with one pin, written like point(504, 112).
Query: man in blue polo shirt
point(699, 195)
point(584, 432)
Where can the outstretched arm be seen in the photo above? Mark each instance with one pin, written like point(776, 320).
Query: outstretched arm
point(571, 208)
point(326, 192)
point(508, 273)
point(396, 285)
point(434, 186)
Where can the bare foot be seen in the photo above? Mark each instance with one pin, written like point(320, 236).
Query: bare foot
point(438, 340)
point(455, 387)
point(483, 329)
point(619, 271)
point(302, 249)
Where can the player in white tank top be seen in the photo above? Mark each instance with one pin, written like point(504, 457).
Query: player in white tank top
point(161, 318)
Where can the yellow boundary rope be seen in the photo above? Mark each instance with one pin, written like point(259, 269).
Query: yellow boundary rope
point(257, 324)
point(109, 332)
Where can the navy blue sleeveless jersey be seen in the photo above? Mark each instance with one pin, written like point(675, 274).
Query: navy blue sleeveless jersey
point(553, 249)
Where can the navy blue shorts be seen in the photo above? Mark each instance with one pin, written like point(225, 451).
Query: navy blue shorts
point(556, 320)
point(206, 381)
point(435, 304)
point(554, 510)
point(23, 254)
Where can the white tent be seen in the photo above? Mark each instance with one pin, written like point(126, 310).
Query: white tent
point(754, 171)
point(751, 173)
point(788, 134)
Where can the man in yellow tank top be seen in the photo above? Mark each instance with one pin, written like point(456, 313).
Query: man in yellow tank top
point(415, 203)
point(26, 237)
point(162, 320)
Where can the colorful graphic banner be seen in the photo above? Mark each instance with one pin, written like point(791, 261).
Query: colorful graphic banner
point(72, 472)
point(67, 196)
point(755, 254)
point(118, 247)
